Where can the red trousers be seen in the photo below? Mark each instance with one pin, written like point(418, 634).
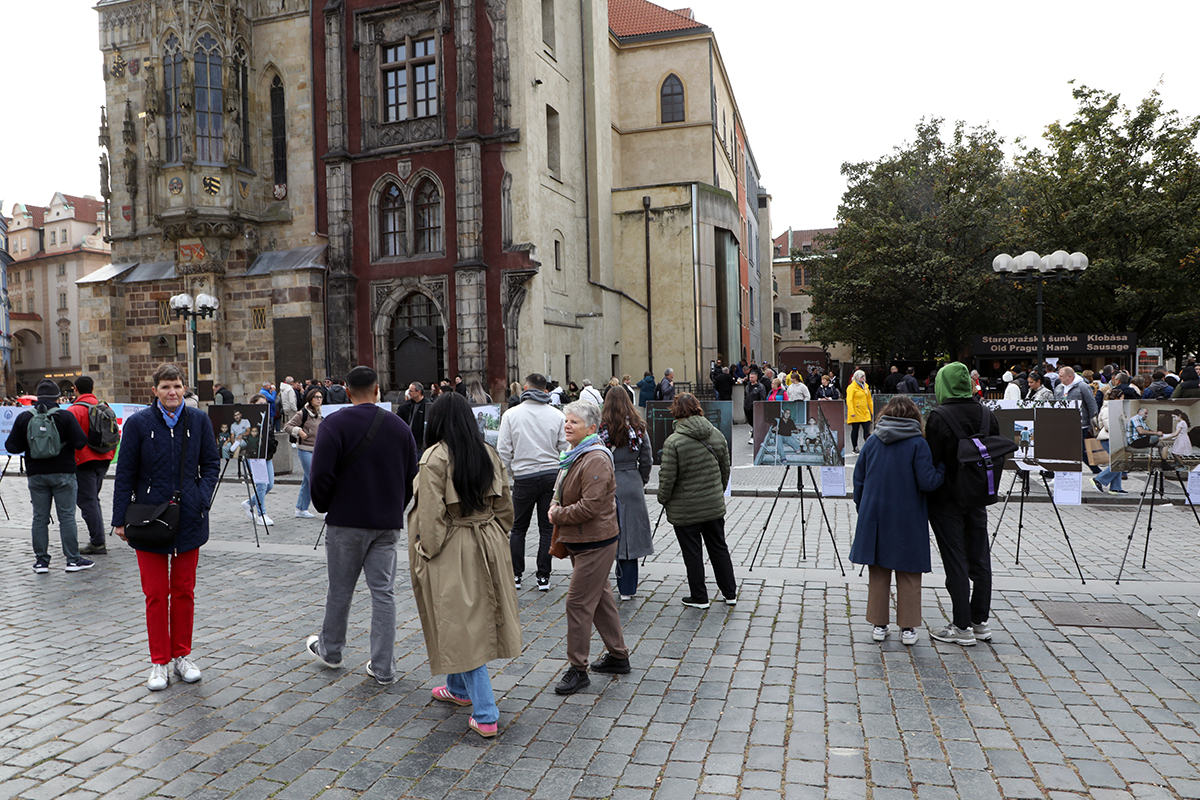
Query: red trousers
point(169, 583)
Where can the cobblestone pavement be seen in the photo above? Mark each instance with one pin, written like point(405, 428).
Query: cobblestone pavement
point(783, 695)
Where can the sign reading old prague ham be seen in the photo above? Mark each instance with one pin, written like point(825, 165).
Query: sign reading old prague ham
point(1072, 343)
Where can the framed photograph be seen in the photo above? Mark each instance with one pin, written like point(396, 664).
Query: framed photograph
point(660, 424)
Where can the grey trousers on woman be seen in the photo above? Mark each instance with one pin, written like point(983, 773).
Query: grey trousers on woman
point(349, 552)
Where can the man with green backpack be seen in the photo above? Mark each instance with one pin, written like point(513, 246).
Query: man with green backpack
point(49, 437)
point(99, 424)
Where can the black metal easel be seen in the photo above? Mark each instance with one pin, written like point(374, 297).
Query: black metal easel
point(1024, 477)
point(1155, 482)
point(803, 522)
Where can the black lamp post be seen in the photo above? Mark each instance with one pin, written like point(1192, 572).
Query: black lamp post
point(1029, 266)
point(204, 305)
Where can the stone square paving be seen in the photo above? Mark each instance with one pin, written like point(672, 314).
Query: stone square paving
point(784, 695)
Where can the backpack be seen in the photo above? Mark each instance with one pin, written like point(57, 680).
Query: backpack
point(103, 433)
point(658, 391)
point(981, 460)
point(42, 434)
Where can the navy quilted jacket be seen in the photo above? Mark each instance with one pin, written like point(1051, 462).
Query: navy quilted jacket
point(148, 463)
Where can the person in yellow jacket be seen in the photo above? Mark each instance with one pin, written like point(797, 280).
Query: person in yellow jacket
point(860, 408)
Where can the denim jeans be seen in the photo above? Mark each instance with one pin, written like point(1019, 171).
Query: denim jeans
point(261, 489)
point(59, 487)
point(1106, 476)
point(350, 552)
point(476, 686)
point(305, 498)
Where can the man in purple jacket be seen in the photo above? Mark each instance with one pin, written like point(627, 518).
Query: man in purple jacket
point(362, 474)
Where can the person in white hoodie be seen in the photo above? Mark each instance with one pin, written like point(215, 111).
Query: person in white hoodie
point(1011, 390)
point(532, 434)
point(796, 390)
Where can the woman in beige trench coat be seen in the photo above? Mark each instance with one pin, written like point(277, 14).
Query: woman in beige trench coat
point(459, 557)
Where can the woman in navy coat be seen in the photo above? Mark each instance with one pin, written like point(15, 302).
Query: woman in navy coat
point(894, 470)
point(148, 471)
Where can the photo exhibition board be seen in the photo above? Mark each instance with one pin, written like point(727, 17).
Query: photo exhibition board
point(239, 429)
point(1048, 435)
point(661, 424)
point(9, 414)
point(1141, 432)
point(799, 432)
point(487, 415)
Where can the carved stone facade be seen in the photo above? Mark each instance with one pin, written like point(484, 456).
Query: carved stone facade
point(212, 191)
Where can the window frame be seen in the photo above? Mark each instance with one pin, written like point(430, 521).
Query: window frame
point(241, 67)
point(208, 67)
point(63, 301)
point(397, 210)
point(796, 321)
point(278, 132)
point(420, 71)
point(428, 219)
point(64, 344)
point(676, 98)
point(172, 77)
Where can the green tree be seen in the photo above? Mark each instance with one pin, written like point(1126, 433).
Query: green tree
point(1122, 186)
point(917, 231)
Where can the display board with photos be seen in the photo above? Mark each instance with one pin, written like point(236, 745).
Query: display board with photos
point(9, 414)
point(241, 429)
point(660, 424)
point(487, 415)
point(800, 432)
point(1048, 433)
point(1142, 432)
point(925, 402)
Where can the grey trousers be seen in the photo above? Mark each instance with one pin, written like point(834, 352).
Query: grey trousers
point(372, 553)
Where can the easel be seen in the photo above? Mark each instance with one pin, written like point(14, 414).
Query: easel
point(248, 479)
point(1023, 475)
point(1155, 482)
point(7, 461)
point(803, 522)
point(318, 541)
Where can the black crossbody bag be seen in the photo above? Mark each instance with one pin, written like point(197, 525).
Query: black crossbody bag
point(156, 525)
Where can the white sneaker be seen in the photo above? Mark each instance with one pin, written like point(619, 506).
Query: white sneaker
point(879, 633)
point(908, 637)
point(304, 514)
point(186, 670)
point(265, 520)
point(982, 631)
point(246, 508)
point(158, 678)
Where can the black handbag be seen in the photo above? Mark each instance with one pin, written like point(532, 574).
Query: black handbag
point(156, 525)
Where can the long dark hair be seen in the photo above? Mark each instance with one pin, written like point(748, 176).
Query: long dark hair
point(618, 416)
point(450, 420)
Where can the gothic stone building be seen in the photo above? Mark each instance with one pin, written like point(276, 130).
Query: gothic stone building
point(207, 172)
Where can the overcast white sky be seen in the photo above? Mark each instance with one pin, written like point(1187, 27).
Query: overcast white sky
point(817, 83)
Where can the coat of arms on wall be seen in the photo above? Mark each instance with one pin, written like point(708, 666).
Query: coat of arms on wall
point(211, 184)
point(280, 191)
point(244, 189)
point(191, 250)
point(118, 65)
point(175, 186)
point(134, 66)
point(127, 213)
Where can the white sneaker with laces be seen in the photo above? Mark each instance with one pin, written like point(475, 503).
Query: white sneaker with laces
point(246, 508)
point(908, 637)
point(158, 678)
point(879, 633)
point(304, 514)
point(265, 520)
point(186, 670)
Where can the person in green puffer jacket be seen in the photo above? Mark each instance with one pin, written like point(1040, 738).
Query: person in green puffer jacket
point(691, 487)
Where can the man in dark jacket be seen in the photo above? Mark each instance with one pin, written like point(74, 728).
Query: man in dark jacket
point(413, 411)
point(92, 466)
point(362, 475)
point(221, 395)
point(723, 384)
point(666, 389)
point(908, 384)
point(51, 479)
point(961, 533)
point(754, 391)
point(1120, 384)
point(335, 393)
point(892, 383)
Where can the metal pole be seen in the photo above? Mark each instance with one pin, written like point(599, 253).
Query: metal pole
point(649, 319)
point(195, 356)
point(1041, 341)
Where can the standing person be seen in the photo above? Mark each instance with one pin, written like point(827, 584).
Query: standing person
point(891, 478)
point(262, 446)
point(755, 392)
point(288, 401)
point(457, 539)
point(335, 392)
point(623, 432)
point(154, 442)
point(221, 395)
point(414, 411)
point(459, 386)
point(49, 436)
point(589, 394)
point(723, 384)
point(304, 425)
point(777, 391)
point(1189, 384)
point(860, 408)
point(1106, 480)
point(908, 384)
point(91, 462)
point(827, 391)
point(475, 393)
point(585, 514)
point(891, 384)
point(531, 437)
point(268, 391)
point(514, 394)
point(1181, 445)
point(1012, 391)
point(666, 389)
point(362, 479)
point(798, 390)
point(1072, 386)
point(646, 388)
point(961, 533)
point(628, 387)
point(691, 487)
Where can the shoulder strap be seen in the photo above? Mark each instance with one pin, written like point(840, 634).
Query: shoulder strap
point(349, 460)
point(957, 428)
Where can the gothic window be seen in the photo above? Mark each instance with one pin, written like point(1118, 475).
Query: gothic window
point(172, 69)
point(672, 100)
point(209, 101)
point(242, 71)
point(391, 221)
point(410, 73)
point(278, 132)
point(428, 214)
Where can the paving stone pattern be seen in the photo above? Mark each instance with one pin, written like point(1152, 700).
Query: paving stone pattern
point(783, 696)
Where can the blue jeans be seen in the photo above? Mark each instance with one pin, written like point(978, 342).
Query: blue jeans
point(302, 502)
point(477, 686)
point(261, 489)
point(61, 488)
point(627, 575)
point(1106, 476)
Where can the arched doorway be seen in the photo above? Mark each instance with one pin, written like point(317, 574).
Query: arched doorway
point(417, 342)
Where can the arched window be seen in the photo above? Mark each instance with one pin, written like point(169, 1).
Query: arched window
point(428, 218)
point(242, 71)
point(672, 99)
point(210, 109)
point(278, 132)
point(391, 221)
point(172, 67)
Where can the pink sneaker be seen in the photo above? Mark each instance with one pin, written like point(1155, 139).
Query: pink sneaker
point(443, 693)
point(485, 729)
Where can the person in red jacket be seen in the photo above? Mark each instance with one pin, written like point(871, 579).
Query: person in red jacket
point(91, 468)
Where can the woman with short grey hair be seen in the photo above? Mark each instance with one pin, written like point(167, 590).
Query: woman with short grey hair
point(587, 413)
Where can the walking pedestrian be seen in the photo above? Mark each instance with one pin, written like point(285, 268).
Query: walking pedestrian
point(755, 392)
point(691, 487)
point(666, 389)
point(646, 387)
point(168, 449)
point(458, 559)
point(49, 437)
point(723, 384)
point(362, 479)
point(531, 437)
point(584, 513)
point(860, 408)
point(92, 461)
point(589, 394)
point(891, 477)
point(624, 433)
point(305, 425)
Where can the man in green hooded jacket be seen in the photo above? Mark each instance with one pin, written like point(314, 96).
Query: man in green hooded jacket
point(961, 533)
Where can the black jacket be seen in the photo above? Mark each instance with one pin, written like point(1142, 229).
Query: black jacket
point(723, 386)
point(225, 395)
point(908, 385)
point(892, 381)
point(943, 444)
point(754, 391)
point(69, 433)
point(414, 413)
point(335, 394)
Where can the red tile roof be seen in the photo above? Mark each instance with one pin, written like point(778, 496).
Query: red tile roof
point(86, 208)
point(641, 18)
point(28, 316)
point(799, 239)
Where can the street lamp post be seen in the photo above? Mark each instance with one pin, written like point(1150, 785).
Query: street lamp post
point(1029, 266)
point(203, 305)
